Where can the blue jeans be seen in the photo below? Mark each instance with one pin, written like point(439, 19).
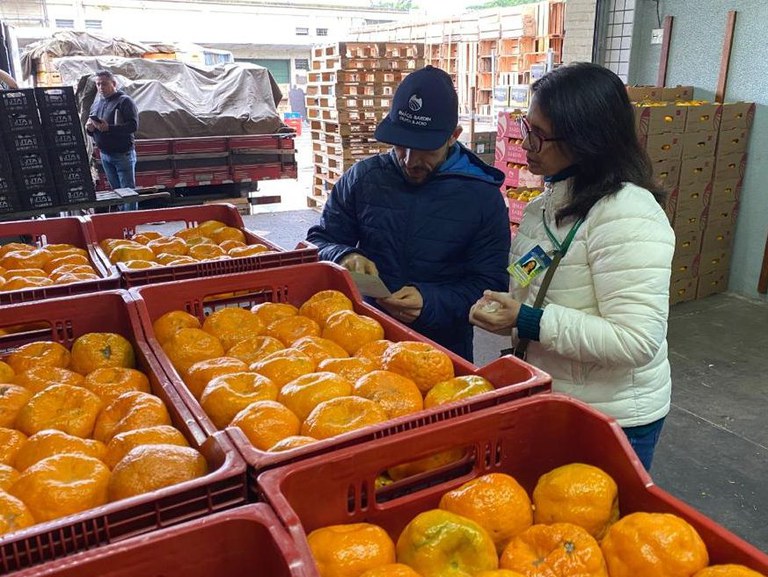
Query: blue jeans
point(643, 440)
point(120, 168)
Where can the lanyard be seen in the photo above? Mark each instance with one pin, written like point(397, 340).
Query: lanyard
point(561, 249)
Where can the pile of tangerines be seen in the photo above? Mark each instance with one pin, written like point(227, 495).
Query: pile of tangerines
point(489, 527)
point(210, 240)
point(24, 266)
point(80, 428)
point(290, 376)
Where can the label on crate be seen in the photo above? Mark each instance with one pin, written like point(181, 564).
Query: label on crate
point(7, 201)
point(69, 157)
point(73, 175)
point(61, 118)
point(55, 97)
point(65, 137)
point(22, 121)
point(31, 162)
point(39, 199)
point(26, 141)
point(18, 100)
point(76, 194)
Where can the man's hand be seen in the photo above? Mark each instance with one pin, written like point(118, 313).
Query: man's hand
point(356, 262)
point(495, 312)
point(405, 305)
point(102, 126)
point(90, 126)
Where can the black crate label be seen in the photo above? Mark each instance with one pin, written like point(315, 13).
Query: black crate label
point(31, 161)
point(71, 157)
point(40, 199)
point(62, 138)
point(73, 175)
point(19, 122)
point(20, 101)
point(36, 181)
point(26, 141)
point(62, 118)
point(81, 193)
point(54, 97)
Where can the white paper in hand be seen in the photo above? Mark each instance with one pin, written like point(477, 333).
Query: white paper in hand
point(370, 285)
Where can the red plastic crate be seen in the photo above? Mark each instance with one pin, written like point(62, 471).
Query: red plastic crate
point(513, 378)
point(233, 543)
point(222, 488)
point(72, 230)
point(124, 224)
point(524, 439)
point(256, 172)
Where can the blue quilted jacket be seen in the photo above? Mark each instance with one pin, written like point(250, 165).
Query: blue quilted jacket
point(449, 236)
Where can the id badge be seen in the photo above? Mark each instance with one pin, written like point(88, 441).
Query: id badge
point(529, 266)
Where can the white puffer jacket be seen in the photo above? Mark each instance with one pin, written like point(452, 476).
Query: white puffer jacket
point(604, 327)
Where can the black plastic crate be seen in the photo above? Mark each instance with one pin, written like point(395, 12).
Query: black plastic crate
point(56, 98)
point(73, 156)
point(72, 176)
point(30, 162)
point(19, 122)
point(12, 101)
point(29, 141)
point(59, 118)
point(84, 192)
point(36, 190)
point(71, 137)
point(38, 200)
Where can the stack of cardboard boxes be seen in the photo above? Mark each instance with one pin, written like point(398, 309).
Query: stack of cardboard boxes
point(698, 151)
point(482, 143)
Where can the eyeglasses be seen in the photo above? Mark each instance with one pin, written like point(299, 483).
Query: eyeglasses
point(535, 140)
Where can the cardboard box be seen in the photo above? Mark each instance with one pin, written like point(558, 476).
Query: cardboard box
point(696, 172)
point(734, 141)
point(507, 150)
point(711, 283)
point(508, 126)
point(684, 265)
point(718, 260)
point(644, 93)
point(690, 200)
point(677, 93)
point(682, 290)
point(501, 96)
point(666, 146)
point(727, 190)
point(687, 242)
point(699, 144)
point(667, 172)
point(730, 167)
point(659, 119)
point(520, 95)
point(518, 176)
point(705, 117)
point(717, 236)
point(722, 214)
point(689, 217)
point(736, 115)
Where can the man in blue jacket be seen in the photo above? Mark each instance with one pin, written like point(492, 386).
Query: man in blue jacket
point(427, 217)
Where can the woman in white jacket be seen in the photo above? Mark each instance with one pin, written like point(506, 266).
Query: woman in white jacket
point(601, 331)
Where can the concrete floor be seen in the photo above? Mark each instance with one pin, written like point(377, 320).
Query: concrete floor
point(713, 452)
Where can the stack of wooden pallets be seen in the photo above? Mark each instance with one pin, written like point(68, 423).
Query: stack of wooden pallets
point(350, 91)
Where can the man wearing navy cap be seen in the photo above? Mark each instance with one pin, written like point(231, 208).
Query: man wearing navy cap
point(427, 217)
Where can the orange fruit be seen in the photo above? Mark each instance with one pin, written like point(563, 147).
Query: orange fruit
point(319, 349)
point(351, 368)
point(201, 373)
point(62, 407)
point(38, 378)
point(188, 233)
point(265, 423)
point(110, 244)
point(145, 237)
point(14, 514)
point(496, 502)
point(438, 543)
point(7, 373)
point(24, 272)
point(227, 233)
point(174, 259)
point(253, 349)
point(20, 283)
point(303, 394)
point(456, 389)
point(8, 476)
point(323, 304)
point(93, 351)
point(148, 468)
point(228, 245)
point(121, 444)
point(284, 366)
point(231, 325)
point(499, 573)
point(36, 258)
point(351, 330)
point(14, 246)
point(349, 550)
point(108, 383)
point(205, 251)
point(200, 240)
point(188, 346)
point(396, 394)
point(225, 396)
point(391, 570)
point(653, 544)
point(70, 269)
point(374, 351)
point(65, 248)
point(342, 415)
point(52, 442)
point(557, 549)
point(580, 494)
point(290, 329)
point(130, 411)
point(207, 227)
point(12, 399)
point(270, 312)
point(39, 353)
point(11, 442)
point(167, 325)
point(134, 251)
point(139, 264)
point(62, 485)
point(168, 245)
point(429, 463)
point(292, 442)
point(729, 570)
point(56, 262)
point(250, 250)
point(76, 277)
point(421, 362)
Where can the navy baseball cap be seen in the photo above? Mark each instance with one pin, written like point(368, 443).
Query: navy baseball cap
point(424, 113)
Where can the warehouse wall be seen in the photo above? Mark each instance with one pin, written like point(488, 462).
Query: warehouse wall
point(579, 30)
point(696, 44)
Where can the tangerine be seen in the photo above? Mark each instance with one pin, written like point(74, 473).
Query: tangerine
point(134, 251)
point(167, 325)
point(351, 330)
point(52, 442)
point(168, 245)
point(108, 383)
point(421, 362)
point(122, 443)
point(292, 442)
point(205, 251)
point(349, 550)
point(11, 442)
point(249, 250)
point(304, 393)
point(319, 349)
point(284, 366)
point(228, 245)
point(223, 233)
point(139, 264)
point(728, 570)
point(56, 262)
point(151, 467)
point(201, 373)
point(374, 351)
point(396, 394)
point(12, 399)
point(391, 570)
point(93, 351)
point(290, 329)
point(351, 368)
point(62, 485)
point(14, 514)
point(207, 227)
point(39, 353)
point(265, 423)
point(8, 476)
point(20, 283)
point(24, 272)
point(270, 312)
point(342, 415)
point(7, 374)
point(72, 277)
point(232, 324)
point(225, 396)
point(129, 411)
point(323, 304)
point(254, 349)
point(63, 407)
point(456, 389)
point(188, 346)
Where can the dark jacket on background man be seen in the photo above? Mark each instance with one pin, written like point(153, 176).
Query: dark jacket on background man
point(449, 236)
point(120, 112)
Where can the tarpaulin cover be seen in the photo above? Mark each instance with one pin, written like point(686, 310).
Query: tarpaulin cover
point(179, 100)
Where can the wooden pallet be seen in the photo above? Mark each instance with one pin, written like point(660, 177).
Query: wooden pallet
point(380, 77)
point(359, 140)
point(367, 64)
point(358, 90)
point(348, 151)
point(359, 117)
point(350, 102)
point(333, 127)
point(370, 50)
